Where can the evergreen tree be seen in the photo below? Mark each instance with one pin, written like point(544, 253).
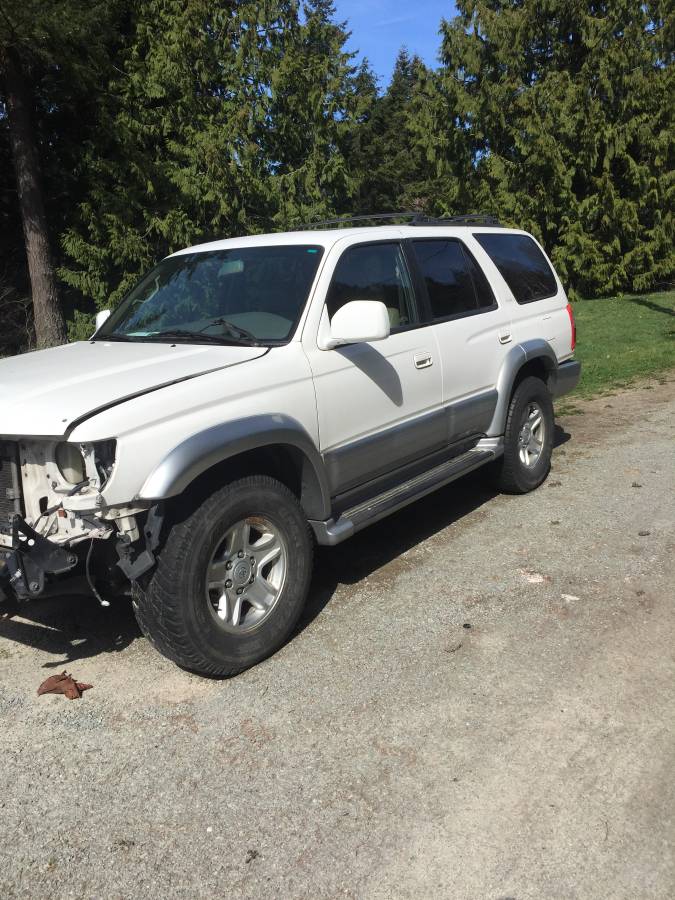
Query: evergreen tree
point(179, 155)
point(439, 146)
point(317, 101)
point(390, 167)
point(413, 153)
point(42, 46)
point(569, 105)
point(139, 126)
point(219, 119)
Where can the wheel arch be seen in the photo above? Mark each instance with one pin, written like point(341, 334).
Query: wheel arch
point(273, 445)
point(535, 357)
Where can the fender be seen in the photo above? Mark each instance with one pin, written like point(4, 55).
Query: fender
point(207, 448)
point(514, 361)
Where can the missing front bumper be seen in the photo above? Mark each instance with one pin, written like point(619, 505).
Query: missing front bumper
point(30, 559)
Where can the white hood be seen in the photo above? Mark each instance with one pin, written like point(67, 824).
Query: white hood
point(43, 393)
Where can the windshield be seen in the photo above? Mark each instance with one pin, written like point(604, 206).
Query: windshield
point(247, 295)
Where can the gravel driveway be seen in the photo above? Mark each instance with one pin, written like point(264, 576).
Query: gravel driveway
point(479, 704)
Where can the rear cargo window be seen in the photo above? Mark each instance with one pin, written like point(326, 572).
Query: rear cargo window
point(521, 264)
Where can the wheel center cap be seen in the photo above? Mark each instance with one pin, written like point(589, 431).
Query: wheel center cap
point(241, 572)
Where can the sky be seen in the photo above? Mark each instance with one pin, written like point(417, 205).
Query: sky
point(380, 27)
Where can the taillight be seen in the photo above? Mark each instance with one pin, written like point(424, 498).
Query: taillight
point(573, 324)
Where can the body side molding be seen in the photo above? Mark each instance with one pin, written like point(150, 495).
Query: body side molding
point(198, 453)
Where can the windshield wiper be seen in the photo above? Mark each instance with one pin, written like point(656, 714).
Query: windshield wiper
point(233, 329)
point(111, 337)
point(196, 337)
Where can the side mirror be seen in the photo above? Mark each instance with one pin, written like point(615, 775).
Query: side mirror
point(102, 317)
point(358, 322)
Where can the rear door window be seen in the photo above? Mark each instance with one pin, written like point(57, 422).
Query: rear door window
point(454, 281)
point(521, 264)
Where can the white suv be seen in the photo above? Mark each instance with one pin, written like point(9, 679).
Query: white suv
point(254, 395)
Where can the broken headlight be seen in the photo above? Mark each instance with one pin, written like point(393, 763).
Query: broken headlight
point(79, 463)
point(70, 461)
point(104, 459)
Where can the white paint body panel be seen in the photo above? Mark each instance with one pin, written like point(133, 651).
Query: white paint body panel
point(279, 381)
point(469, 348)
point(152, 397)
point(547, 319)
point(44, 392)
point(363, 388)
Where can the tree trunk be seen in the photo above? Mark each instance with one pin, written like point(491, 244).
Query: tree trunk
point(50, 327)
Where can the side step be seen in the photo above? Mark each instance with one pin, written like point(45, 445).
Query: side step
point(352, 520)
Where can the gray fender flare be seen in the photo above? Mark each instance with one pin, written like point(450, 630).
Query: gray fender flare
point(214, 445)
point(514, 361)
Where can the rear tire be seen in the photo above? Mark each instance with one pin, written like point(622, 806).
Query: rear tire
point(528, 439)
point(251, 535)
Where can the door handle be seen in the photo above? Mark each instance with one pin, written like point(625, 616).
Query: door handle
point(423, 360)
point(505, 337)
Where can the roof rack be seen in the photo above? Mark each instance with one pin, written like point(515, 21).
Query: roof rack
point(416, 218)
point(473, 219)
point(344, 220)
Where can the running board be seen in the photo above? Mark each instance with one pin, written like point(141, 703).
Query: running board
point(352, 520)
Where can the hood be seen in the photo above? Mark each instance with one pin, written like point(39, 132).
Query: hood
point(45, 392)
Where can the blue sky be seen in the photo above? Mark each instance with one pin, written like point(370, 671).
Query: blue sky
point(380, 27)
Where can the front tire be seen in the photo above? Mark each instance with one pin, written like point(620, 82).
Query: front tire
point(528, 439)
point(231, 579)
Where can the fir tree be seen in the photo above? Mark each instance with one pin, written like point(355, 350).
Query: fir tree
point(569, 105)
point(179, 157)
point(316, 103)
point(46, 51)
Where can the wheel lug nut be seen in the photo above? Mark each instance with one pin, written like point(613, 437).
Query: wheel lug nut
point(240, 590)
point(253, 560)
point(240, 554)
point(251, 580)
point(228, 565)
point(228, 583)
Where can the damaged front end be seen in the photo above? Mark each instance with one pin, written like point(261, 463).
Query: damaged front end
point(30, 559)
point(55, 522)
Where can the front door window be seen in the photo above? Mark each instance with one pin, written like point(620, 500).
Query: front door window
point(374, 272)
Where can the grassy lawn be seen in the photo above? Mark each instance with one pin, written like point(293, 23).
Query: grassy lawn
point(621, 339)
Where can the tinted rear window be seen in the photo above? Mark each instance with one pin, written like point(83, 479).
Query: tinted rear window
point(455, 283)
point(447, 277)
point(521, 264)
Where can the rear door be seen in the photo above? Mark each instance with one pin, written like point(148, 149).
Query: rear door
point(472, 328)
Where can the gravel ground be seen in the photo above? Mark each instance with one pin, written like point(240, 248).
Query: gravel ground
point(479, 704)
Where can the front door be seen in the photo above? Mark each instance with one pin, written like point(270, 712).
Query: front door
point(379, 404)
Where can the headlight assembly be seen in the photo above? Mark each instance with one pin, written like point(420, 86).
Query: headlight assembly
point(70, 461)
point(78, 463)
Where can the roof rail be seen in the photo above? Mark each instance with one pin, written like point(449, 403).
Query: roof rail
point(344, 220)
point(416, 218)
point(473, 219)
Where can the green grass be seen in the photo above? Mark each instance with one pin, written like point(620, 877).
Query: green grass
point(621, 339)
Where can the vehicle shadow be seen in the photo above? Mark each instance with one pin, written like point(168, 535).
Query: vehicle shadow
point(381, 543)
point(71, 625)
point(560, 436)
